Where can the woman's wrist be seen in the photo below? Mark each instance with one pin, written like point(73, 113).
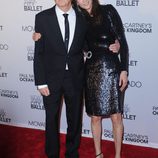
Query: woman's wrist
point(124, 72)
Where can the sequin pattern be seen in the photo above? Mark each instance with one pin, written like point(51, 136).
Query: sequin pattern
point(102, 89)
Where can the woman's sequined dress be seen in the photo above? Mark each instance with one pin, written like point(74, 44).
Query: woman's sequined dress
point(102, 94)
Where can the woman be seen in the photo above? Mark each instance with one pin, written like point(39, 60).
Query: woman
point(106, 76)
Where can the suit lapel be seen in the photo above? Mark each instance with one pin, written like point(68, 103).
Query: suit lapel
point(55, 28)
point(75, 33)
point(78, 27)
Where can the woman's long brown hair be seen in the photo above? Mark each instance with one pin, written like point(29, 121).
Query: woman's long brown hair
point(95, 12)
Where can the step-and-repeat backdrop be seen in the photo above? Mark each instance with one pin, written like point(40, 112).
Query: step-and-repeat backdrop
point(20, 102)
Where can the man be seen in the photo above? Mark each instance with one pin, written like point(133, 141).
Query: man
point(58, 69)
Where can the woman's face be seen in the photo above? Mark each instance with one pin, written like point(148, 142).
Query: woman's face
point(85, 4)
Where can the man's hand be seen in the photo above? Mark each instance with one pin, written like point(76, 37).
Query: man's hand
point(115, 47)
point(36, 36)
point(123, 80)
point(44, 91)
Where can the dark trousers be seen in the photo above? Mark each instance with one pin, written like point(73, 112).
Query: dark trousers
point(73, 100)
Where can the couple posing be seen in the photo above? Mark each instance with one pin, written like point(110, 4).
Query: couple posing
point(59, 69)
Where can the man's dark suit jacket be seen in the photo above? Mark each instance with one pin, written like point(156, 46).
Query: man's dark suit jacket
point(50, 53)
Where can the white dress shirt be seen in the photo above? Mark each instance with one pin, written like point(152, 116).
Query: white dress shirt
point(72, 23)
point(61, 22)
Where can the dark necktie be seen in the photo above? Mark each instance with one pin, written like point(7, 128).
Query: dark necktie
point(66, 40)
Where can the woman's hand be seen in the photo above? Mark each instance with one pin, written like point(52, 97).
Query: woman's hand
point(123, 80)
point(115, 47)
point(36, 36)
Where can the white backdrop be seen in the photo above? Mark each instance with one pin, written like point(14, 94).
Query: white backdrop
point(21, 104)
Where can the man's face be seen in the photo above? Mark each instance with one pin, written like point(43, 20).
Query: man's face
point(63, 3)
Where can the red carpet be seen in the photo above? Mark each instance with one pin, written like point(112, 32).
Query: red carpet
point(16, 142)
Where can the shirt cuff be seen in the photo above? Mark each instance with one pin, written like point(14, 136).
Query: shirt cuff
point(42, 86)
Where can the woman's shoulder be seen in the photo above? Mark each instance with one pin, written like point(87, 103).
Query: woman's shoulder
point(108, 6)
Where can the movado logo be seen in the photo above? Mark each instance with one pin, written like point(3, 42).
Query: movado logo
point(137, 84)
point(155, 110)
point(28, 28)
point(4, 47)
point(36, 123)
point(107, 133)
